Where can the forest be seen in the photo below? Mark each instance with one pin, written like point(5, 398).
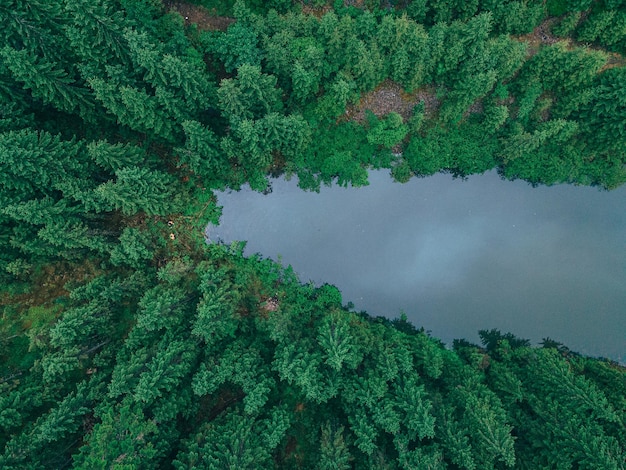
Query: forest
point(128, 342)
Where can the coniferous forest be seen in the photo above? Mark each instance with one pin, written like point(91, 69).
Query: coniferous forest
point(127, 342)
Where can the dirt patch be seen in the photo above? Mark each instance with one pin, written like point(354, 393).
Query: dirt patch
point(204, 19)
point(541, 35)
point(270, 305)
point(318, 12)
point(477, 107)
point(614, 60)
point(428, 95)
point(390, 97)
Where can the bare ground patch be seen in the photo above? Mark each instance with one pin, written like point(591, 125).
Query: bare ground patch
point(390, 97)
point(428, 95)
point(318, 12)
point(270, 304)
point(476, 108)
point(203, 18)
point(353, 3)
point(541, 35)
point(614, 60)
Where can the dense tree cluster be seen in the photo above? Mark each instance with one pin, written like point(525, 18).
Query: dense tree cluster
point(541, 114)
point(232, 363)
point(126, 342)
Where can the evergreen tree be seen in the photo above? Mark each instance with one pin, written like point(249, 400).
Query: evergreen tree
point(133, 190)
point(123, 437)
point(603, 117)
point(237, 47)
point(123, 347)
point(47, 82)
point(251, 95)
point(96, 35)
point(201, 154)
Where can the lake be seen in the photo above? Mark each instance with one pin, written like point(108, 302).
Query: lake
point(455, 255)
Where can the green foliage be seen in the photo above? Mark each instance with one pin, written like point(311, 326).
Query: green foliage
point(567, 24)
point(96, 32)
point(334, 454)
point(604, 114)
point(237, 47)
point(251, 95)
point(134, 108)
point(337, 153)
point(135, 247)
point(606, 27)
point(47, 82)
point(136, 189)
point(201, 155)
point(233, 384)
point(235, 441)
point(180, 82)
point(387, 132)
point(451, 150)
point(335, 340)
point(518, 17)
point(124, 347)
point(123, 437)
point(113, 157)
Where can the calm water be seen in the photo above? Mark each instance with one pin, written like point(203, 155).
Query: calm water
point(456, 256)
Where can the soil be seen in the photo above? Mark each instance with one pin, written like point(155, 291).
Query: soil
point(541, 35)
point(318, 12)
point(204, 19)
point(428, 95)
point(476, 108)
point(615, 60)
point(390, 97)
point(271, 304)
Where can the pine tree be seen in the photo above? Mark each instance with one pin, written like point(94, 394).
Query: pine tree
point(215, 313)
point(181, 83)
point(96, 35)
point(603, 119)
point(164, 373)
point(251, 95)
point(133, 190)
point(54, 430)
point(36, 26)
point(305, 83)
point(123, 437)
point(47, 82)
point(411, 400)
point(235, 441)
point(387, 132)
point(135, 108)
point(135, 248)
point(201, 153)
point(112, 157)
point(335, 339)
point(237, 47)
point(334, 454)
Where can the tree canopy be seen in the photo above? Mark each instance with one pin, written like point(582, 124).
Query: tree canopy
point(128, 342)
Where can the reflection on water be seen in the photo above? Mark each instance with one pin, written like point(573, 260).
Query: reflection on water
point(456, 256)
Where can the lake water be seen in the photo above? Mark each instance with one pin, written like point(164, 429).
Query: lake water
point(455, 255)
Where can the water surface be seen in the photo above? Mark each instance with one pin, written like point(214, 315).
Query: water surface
point(456, 256)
